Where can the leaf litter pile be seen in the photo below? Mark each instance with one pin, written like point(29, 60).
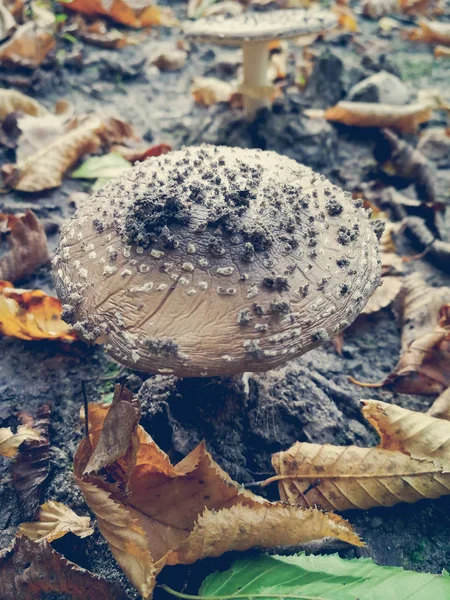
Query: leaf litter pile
point(120, 484)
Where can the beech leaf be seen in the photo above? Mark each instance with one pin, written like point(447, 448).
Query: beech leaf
point(31, 315)
point(405, 118)
point(55, 519)
point(28, 246)
point(10, 442)
point(31, 569)
point(320, 578)
point(179, 514)
point(410, 463)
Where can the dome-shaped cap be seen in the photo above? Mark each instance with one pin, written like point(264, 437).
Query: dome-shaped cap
point(215, 260)
point(259, 26)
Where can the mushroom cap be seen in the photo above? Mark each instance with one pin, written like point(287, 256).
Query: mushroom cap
point(258, 26)
point(215, 260)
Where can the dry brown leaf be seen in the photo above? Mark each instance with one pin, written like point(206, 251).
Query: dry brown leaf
point(7, 22)
point(32, 570)
point(98, 34)
point(134, 13)
point(10, 442)
point(441, 406)
point(210, 90)
point(431, 32)
point(139, 154)
point(55, 519)
point(170, 61)
point(411, 463)
point(391, 262)
point(12, 100)
point(370, 114)
point(384, 295)
point(28, 47)
point(378, 8)
point(28, 243)
point(442, 51)
point(179, 514)
point(424, 365)
point(31, 315)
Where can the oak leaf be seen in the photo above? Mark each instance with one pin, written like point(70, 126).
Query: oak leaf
point(12, 100)
point(55, 519)
point(28, 246)
point(10, 442)
point(405, 118)
point(134, 13)
point(31, 569)
point(410, 463)
point(153, 513)
point(31, 315)
point(28, 47)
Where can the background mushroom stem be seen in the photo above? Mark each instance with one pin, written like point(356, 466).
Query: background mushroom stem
point(255, 87)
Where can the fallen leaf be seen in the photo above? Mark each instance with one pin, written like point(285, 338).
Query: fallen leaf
point(28, 246)
point(410, 463)
point(384, 295)
point(33, 570)
point(210, 90)
point(442, 51)
point(7, 23)
point(12, 100)
point(391, 262)
point(31, 464)
point(54, 520)
point(105, 167)
point(31, 315)
point(134, 13)
point(318, 577)
point(434, 143)
point(197, 8)
point(378, 8)
point(367, 114)
point(139, 154)
point(10, 442)
point(170, 61)
point(98, 34)
point(179, 514)
point(346, 17)
point(441, 406)
point(431, 32)
point(28, 47)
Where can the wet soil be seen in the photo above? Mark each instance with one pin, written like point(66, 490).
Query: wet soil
point(243, 419)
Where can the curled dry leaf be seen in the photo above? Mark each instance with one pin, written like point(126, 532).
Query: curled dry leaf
point(210, 90)
point(34, 570)
point(31, 315)
point(7, 22)
point(431, 32)
point(410, 463)
point(12, 100)
point(134, 13)
point(442, 51)
point(139, 154)
point(28, 47)
point(424, 365)
point(28, 243)
point(31, 464)
point(441, 406)
point(177, 514)
point(54, 520)
point(10, 442)
point(371, 114)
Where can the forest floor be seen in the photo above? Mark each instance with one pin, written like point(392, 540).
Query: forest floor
point(310, 399)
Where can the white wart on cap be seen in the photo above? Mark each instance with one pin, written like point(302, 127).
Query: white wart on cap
point(254, 32)
point(213, 261)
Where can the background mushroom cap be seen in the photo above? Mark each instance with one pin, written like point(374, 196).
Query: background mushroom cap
point(258, 26)
point(214, 260)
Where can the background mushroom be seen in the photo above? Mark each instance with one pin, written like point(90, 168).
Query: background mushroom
point(254, 32)
point(215, 260)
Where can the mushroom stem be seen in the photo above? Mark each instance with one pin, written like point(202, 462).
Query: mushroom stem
point(256, 86)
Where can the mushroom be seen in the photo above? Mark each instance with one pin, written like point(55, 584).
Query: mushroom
point(254, 32)
point(214, 261)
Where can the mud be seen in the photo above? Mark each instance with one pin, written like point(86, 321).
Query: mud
point(243, 420)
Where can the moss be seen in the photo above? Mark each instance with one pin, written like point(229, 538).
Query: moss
point(419, 554)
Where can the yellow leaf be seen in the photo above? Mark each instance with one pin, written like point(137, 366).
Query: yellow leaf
point(54, 521)
point(410, 463)
point(12, 100)
point(31, 315)
point(10, 442)
point(182, 513)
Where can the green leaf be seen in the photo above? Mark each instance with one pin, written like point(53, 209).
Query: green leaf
point(102, 167)
point(304, 577)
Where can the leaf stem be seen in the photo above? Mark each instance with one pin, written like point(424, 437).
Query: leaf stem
point(168, 589)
